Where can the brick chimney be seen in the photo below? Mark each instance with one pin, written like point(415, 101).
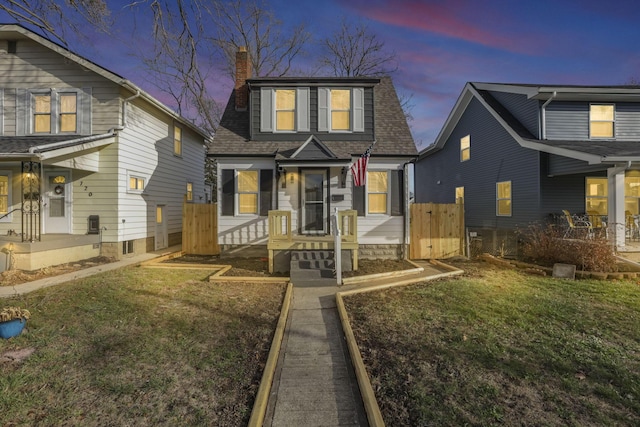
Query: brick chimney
point(243, 72)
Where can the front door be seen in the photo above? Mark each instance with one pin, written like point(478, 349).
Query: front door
point(161, 228)
point(57, 202)
point(314, 201)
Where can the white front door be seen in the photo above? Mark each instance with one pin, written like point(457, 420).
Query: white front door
point(314, 202)
point(57, 202)
point(161, 228)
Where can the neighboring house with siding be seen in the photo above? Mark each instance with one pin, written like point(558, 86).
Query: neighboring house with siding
point(518, 154)
point(90, 164)
point(286, 144)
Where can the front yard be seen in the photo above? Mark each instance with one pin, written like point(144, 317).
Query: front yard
point(499, 347)
point(142, 347)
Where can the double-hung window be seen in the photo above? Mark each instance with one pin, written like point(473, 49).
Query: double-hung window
point(601, 121)
point(285, 108)
point(177, 141)
point(68, 112)
point(340, 109)
point(503, 198)
point(465, 148)
point(460, 195)
point(377, 189)
point(55, 111)
point(190, 191)
point(42, 113)
point(248, 192)
point(596, 195)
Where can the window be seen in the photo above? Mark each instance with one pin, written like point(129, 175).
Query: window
point(340, 109)
point(127, 247)
point(377, 186)
point(177, 141)
point(465, 148)
point(189, 191)
point(42, 113)
point(248, 192)
point(68, 112)
point(136, 184)
point(503, 198)
point(632, 192)
point(601, 121)
point(285, 110)
point(596, 195)
point(460, 195)
point(5, 195)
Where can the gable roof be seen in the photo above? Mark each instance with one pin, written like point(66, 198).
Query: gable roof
point(17, 32)
point(391, 130)
point(593, 152)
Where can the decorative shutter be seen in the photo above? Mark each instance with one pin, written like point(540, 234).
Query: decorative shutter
point(228, 192)
point(358, 109)
point(84, 113)
point(55, 111)
point(358, 199)
point(22, 112)
point(397, 192)
point(1, 111)
point(302, 109)
point(266, 191)
point(266, 110)
point(323, 109)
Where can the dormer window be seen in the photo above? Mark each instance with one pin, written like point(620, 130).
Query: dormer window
point(601, 121)
point(285, 109)
point(340, 109)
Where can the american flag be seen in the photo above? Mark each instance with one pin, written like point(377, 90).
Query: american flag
point(359, 167)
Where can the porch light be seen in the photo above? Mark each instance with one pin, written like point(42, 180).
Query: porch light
point(59, 179)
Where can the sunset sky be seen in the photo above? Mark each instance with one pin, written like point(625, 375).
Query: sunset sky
point(443, 44)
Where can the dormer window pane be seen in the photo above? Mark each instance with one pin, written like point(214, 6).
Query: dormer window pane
point(285, 109)
point(340, 109)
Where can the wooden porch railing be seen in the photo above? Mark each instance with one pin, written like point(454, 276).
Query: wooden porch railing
point(280, 226)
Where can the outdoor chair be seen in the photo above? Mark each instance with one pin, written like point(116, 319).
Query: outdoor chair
point(598, 225)
point(578, 228)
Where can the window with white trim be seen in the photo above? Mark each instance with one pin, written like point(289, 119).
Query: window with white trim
point(248, 192)
point(377, 192)
point(177, 140)
point(596, 195)
point(340, 109)
point(189, 191)
point(136, 183)
point(601, 121)
point(460, 195)
point(465, 148)
point(285, 110)
point(503, 198)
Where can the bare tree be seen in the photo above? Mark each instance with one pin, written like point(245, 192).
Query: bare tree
point(56, 19)
point(354, 51)
point(252, 25)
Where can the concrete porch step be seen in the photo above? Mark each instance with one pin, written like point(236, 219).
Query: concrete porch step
point(312, 267)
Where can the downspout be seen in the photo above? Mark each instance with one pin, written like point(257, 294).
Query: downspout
point(124, 106)
point(543, 123)
point(406, 229)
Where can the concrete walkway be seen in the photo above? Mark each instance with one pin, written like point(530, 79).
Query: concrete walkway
point(23, 288)
point(314, 383)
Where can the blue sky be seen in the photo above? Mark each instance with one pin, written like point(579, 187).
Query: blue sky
point(442, 44)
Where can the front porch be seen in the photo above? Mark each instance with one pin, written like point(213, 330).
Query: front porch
point(282, 240)
point(51, 249)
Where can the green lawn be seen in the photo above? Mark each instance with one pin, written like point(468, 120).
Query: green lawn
point(141, 347)
point(497, 347)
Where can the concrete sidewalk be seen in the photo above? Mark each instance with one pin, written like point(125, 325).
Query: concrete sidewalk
point(314, 383)
point(23, 288)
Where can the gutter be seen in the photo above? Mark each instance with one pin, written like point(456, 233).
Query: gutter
point(543, 130)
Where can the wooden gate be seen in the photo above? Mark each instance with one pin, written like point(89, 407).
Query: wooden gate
point(437, 230)
point(200, 229)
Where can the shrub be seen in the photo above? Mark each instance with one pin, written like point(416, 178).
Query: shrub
point(545, 246)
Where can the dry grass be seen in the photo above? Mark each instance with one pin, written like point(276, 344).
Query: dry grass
point(499, 347)
point(142, 347)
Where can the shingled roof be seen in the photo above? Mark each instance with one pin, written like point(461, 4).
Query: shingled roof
point(392, 134)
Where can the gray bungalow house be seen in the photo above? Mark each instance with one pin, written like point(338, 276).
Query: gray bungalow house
point(520, 153)
point(284, 150)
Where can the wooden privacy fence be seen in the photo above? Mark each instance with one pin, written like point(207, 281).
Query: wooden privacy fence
point(437, 230)
point(200, 229)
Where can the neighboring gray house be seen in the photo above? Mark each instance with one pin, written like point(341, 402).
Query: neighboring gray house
point(286, 144)
point(518, 154)
point(90, 164)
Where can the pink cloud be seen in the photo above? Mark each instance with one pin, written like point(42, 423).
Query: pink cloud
point(456, 19)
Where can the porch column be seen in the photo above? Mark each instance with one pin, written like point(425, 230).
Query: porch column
point(615, 211)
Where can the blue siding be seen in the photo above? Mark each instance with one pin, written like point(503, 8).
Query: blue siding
point(565, 192)
point(628, 121)
point(495, 157)
point(560, 165)
point(527, 111)
point(567, 121)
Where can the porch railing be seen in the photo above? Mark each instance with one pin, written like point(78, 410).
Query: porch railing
point(280, 228)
